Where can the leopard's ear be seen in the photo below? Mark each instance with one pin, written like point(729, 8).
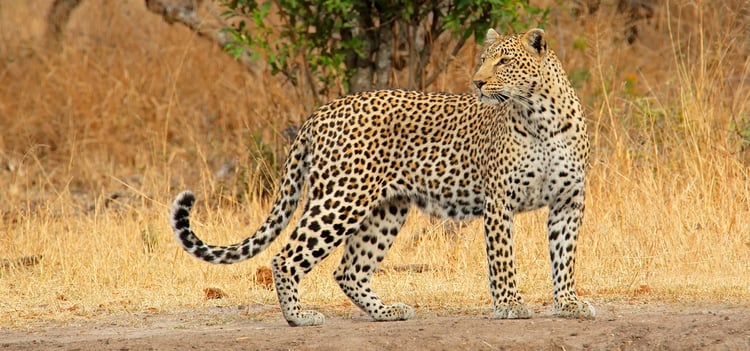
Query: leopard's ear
point(535, 41)
point(490, 37)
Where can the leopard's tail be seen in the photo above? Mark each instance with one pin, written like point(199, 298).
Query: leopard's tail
point(287, 198)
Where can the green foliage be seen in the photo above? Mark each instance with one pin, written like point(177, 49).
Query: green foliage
point(467, 18)
point(326, 42)
point(579, 76)
point(316, 32)
point(580, 44)
point(742, 130)
point(646, 116)
point(149, 239)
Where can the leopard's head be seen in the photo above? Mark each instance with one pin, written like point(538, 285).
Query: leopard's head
point(510, 66)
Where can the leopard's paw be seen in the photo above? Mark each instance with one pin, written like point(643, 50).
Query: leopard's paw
point(575, 308)
point(395, 312)
point(512, 310)
point(306, 318)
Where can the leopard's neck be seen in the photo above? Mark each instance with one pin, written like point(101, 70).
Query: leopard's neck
point(549, 109)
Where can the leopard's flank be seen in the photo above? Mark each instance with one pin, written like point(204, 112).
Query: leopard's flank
point(517, 144)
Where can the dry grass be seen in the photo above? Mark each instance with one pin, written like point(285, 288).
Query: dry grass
point(95, 140)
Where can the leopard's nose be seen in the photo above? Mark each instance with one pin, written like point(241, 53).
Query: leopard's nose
point(479, 83)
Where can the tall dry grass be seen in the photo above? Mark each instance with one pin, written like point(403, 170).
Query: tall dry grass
point(95, 141)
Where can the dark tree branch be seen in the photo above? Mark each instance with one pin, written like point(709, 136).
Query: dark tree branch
point(185, 12)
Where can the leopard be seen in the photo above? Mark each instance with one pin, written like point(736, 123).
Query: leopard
point(518, 142)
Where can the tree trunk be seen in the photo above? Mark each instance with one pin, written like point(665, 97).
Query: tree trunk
point(414, 47)
point(362, 78)
point(363, 66)
point(384, 56)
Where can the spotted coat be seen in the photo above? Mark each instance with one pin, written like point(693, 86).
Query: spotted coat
point(518, 143)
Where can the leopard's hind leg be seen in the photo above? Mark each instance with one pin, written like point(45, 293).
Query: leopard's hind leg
point(364, 252)
point(321, 229)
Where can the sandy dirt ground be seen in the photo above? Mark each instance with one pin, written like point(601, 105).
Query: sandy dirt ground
point(617, 327)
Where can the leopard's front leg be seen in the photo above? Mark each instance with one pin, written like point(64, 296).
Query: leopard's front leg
point(564, 223)
point(498, 231)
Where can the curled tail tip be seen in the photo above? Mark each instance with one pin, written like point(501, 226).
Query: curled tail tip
point(181, 211)
point(180, 220)
point(184, 199)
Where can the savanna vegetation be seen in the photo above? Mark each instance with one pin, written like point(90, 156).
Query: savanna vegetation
point(99, 133)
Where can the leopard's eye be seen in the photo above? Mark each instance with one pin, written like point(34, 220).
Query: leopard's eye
point(504, 61)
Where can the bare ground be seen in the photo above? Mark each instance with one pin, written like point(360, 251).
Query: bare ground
point(617, 327)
